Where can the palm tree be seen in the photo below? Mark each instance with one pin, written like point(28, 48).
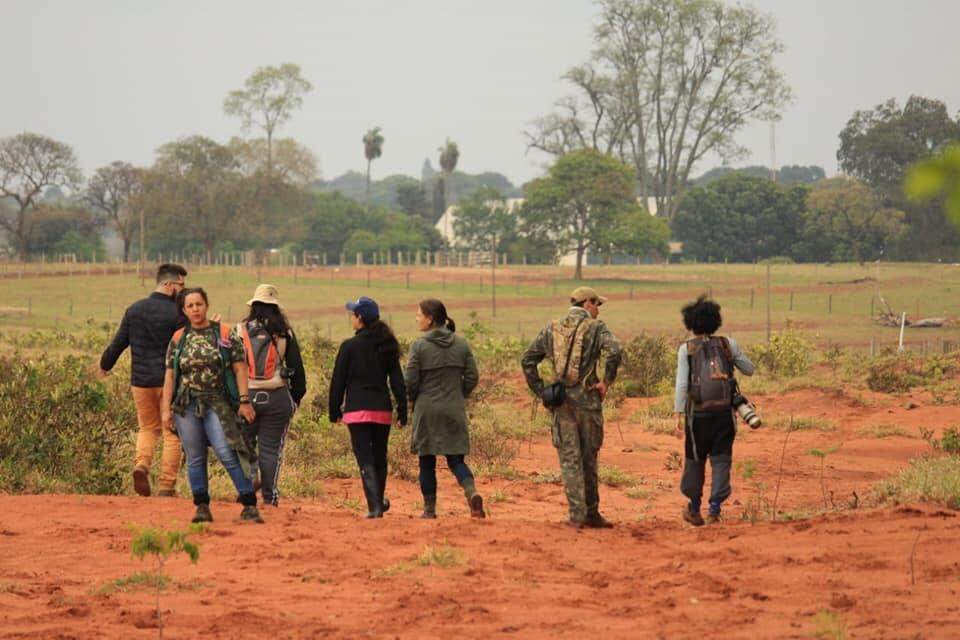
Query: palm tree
point(449, 155)
point(372, 149)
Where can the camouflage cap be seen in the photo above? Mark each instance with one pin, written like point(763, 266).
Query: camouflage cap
point(582, 294)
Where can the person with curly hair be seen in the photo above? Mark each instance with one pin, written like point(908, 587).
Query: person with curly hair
point(703, 402)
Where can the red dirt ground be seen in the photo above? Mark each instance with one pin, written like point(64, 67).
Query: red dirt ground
point(316, 569)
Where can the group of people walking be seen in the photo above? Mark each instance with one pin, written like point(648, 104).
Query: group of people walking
point(201, 384)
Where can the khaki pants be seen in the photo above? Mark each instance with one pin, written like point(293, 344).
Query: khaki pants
point(147, 400)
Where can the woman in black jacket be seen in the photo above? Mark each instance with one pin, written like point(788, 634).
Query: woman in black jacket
point(360, 398)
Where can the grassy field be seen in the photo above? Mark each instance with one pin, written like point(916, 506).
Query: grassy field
point(830, 302)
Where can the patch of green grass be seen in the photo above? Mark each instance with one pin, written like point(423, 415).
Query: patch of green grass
point(804, 423)
point(884, 431)
point(500, 496)
point(139, 581)
point(615, 477)
point(443, 556)
point(547, 477)
point(829, 625)
point(638, 493)
point(352, 504)
point(927, 479)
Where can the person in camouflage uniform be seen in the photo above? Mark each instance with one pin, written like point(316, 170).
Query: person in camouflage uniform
point(578, 423)
point(197, 403)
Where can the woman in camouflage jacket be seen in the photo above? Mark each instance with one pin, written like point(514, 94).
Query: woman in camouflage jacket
point(197, 402)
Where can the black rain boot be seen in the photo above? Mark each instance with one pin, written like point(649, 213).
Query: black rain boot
point(371, 490)
point(381, 491)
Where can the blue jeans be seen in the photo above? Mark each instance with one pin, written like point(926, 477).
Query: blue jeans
point(197, 434)
point(428, 473)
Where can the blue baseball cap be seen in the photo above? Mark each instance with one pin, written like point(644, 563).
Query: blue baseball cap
point(366, 308)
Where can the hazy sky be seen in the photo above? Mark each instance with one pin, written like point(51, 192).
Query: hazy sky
point(116, 79)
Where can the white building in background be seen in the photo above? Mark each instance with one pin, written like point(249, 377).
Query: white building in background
point(445, 225)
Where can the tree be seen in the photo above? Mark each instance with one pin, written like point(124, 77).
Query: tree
point(636, 233)
point(741, 219)
point(938, 176)
point(267, 101)
point(64, 229)
point(670, 82)
point(878, 145)
point(412, 199)
point(845, 220)
point(293, 163)
point(29, 163)
point(449, 156)
point(483, 220)
point(114, 190)
point(196, 191)
point(372, 149)
point(581, 195)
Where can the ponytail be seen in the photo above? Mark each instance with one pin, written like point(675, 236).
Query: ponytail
point(438, 314)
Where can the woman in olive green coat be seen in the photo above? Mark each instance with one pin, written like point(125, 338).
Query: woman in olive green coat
point(440, 374)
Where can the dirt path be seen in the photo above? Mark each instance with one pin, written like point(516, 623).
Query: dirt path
point(317, 569)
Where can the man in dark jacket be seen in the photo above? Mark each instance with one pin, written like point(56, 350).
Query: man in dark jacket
point(578, 422)
point(147, 328)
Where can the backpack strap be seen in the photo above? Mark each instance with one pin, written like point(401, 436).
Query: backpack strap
point(573, 341)
point(179, 337)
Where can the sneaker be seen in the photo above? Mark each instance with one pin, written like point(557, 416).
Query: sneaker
point(203, 514)
point(476, 507)
point(141, 481)
point(598, 522)
point(251, 514)
point(166, 493)
point(692, 517)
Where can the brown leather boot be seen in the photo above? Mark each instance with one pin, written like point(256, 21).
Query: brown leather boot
point(141, 481)
point(476, 507)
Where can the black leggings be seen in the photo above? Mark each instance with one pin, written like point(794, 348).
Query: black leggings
point(428, 472)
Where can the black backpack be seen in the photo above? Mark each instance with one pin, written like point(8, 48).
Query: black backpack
point(712, 384)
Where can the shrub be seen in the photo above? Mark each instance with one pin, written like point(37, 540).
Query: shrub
point(61, 430)
point(648, 365)
point(928, 479)
point(788, 354)
point(891, 373)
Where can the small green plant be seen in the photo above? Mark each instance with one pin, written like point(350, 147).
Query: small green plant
point(829, 625)
point(616, 477)
point(754, 507)
point(822, 454)
point(950, 441)
point(443, 556)
point(161, 544)
point(833, 358)
point(638, 493)
point(500, 496)
point(892, 372)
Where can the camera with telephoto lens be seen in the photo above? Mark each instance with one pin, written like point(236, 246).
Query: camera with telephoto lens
point(746, 411)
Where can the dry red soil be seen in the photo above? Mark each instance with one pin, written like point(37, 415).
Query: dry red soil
point(316, 569)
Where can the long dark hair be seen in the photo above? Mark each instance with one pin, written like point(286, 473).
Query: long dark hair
point(182, 297)
point(270, 317)
point(384, 339)
point(438, 313)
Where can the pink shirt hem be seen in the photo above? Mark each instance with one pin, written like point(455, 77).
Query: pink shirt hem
point(376, 417)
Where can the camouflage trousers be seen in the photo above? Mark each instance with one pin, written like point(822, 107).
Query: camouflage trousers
point(578, 436)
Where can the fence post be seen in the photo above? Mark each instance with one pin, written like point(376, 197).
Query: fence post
point(751, 298)
point(830, 303)
point(408, 279)
point(791, 301)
